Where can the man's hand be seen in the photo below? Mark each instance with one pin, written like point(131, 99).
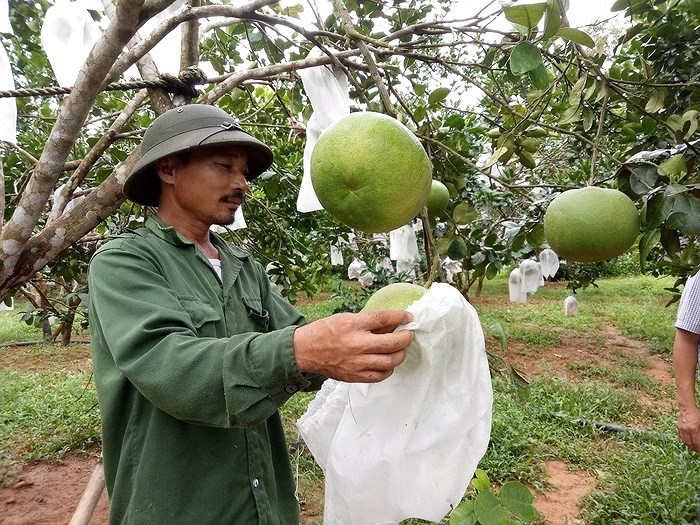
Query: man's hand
point(689, 428)
point(356, 348)
point(685, 358)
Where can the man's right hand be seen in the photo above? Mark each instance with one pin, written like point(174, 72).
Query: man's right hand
point(355, 348)
point(688, 426)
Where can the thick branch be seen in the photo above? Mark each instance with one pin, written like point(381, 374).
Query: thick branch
point(74, 111)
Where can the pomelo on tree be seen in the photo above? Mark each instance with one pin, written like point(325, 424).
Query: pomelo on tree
point(395, 296)
point(370, 172)
point(591, 224)
point(438, 198)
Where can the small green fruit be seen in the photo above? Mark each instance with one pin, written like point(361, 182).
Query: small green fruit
point(438, 199)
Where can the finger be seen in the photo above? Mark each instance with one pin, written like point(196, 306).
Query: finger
point(382, 321)
point(389, 343)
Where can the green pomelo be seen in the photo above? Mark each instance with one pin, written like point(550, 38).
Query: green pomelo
point(591, 224)
point(438, 199)
point(370, 172)
point(395, 296)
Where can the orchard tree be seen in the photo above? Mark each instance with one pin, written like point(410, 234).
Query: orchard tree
point(556, 110)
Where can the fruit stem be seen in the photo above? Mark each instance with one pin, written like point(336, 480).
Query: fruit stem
point(599, 132)
point(431, 257)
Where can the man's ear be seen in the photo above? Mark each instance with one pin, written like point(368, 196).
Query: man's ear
point(166, 169)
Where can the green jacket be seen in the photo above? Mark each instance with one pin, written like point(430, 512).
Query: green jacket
point(190, 373)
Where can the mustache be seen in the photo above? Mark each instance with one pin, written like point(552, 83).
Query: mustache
point(236, 194)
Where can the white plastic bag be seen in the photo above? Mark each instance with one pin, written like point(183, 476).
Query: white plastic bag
point(166, 53)
point(68, 34)
point(8, 106)
point(515, 287)
point(549, 262)
point(5, 24)
point(570, 306)
point(355, 268)
point(530, 276)
point(407, 447)
point(328, 90)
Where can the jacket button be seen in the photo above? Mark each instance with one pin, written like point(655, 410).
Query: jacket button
point(291, 388)
point(256, 483)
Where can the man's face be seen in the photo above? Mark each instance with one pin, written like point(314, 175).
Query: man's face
point(208, 187)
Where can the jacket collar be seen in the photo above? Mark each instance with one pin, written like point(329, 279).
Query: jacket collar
point(170, 235)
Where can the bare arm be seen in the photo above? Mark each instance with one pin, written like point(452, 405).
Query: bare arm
point(685, 358)
point(353, 347)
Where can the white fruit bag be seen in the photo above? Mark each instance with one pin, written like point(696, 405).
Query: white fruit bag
point(328, 90)
point(570, 306)
point(407, 447)
point(166, 53)
point(515, 287)
point(549, 262)
point(68, 34)
point(530, 276)
point(8, 106)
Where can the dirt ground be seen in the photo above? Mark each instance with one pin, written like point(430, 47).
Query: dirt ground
point(48, 494)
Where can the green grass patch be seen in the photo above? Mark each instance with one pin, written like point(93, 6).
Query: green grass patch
point(44, 415)
point(13, 329)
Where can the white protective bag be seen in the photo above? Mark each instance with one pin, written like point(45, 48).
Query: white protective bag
point(328, 90)
point(407, 447)
point(68, 34)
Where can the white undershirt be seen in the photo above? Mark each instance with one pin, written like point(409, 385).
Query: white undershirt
point(216, 264)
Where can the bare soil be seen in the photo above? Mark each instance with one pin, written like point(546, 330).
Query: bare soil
point(48, 494)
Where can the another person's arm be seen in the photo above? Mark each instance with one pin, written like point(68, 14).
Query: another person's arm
point(685, 357)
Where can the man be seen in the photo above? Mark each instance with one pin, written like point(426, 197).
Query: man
point(685, 359)
point(193, 354)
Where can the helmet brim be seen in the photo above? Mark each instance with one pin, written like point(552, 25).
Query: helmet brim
point(142, 186)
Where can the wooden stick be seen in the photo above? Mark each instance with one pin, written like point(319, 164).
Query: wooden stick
point(88, 502)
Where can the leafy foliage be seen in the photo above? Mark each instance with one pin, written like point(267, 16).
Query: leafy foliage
point(558, 107)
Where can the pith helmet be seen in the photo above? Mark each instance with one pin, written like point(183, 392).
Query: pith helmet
point(181, 129)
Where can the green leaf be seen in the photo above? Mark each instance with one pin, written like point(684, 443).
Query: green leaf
point(464, 213)
point(525, 15)
point(463, 514)
point(674, 167)
point(646, 243)
point(656, 101)
point(438, 96)
point(539, 77)
point(496, 156)
point(576, 92)
point(481, 480)
point(676, 221)
point(458, 249)
point(525, 57)
point(443, 244)
point(496, 330)
point(620, 5)
point(552, 20)
point(670, 240)
point(643, 179)
point(420, 113)
point(518, 499)
point(689, 205)
point(571, 114)
point(576, 36)
point(490, 511)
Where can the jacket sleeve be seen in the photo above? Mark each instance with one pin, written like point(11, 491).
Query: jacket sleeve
point(145, 338)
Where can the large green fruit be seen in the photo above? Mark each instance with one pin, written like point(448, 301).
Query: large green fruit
point(396, 296)
point(370, 172)
point(591, 224)
point(438, 199)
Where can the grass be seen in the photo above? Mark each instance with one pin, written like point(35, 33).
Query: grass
point(44, 415)
point(644, 474)
point(12, 329)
